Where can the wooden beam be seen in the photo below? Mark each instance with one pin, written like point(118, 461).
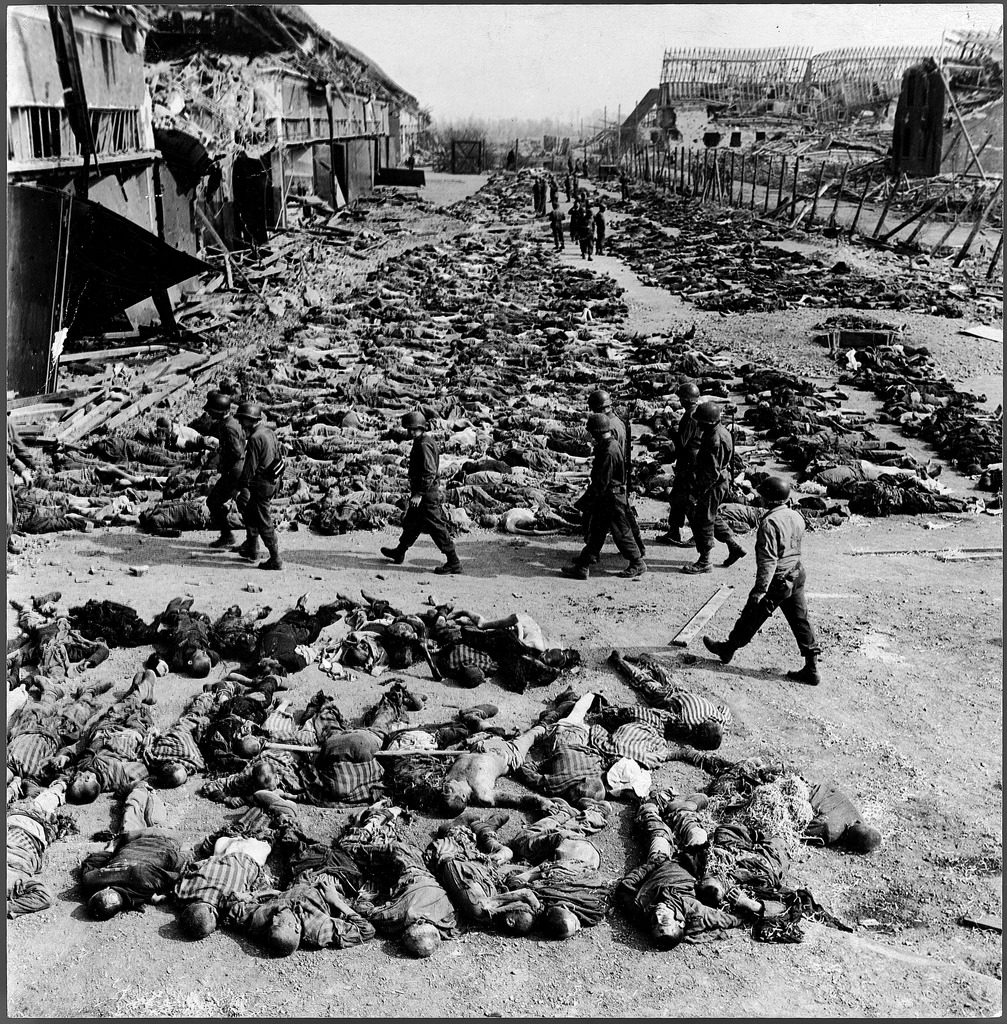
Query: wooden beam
point(977, 227)
point(925, 208)
point(296, 749)
point(954, 223)
point(996, 256)
point(860, 206)
point(927, 551)
point(961, 122)
point(688, 632)
point(884, 210)
point(107, 353)
point(144, 403)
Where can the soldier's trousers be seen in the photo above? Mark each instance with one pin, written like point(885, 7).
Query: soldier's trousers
point(427, 518)
point(786, 592)
point(257, 513)
point(612, 515)
point(678, 503)
point(217, 500)
point(702, 516)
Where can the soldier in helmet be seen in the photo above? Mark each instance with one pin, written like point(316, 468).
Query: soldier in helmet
point(230, 458)
point(608, 505)
point(425, 513)
point(601, 401)
point(261, 472)
point(779, 583)
point(710, 482)
point(687, 438)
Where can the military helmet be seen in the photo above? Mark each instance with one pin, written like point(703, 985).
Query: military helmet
point(249, 411)
point(597, 400)
point(598, 422)
point(217, 401)
point(688, 391)
point(774, 488)
point(414, 419)
point(708, 412)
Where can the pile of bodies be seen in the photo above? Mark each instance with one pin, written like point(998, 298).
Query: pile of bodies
point(499, 345)
point(916, 397)
point(712, 861)
point(716, 261)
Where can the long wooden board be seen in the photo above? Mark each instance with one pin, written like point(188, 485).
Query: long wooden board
point(689, 631)
point(380, 753)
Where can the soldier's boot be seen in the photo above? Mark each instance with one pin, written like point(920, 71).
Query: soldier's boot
point(396, 554)
point(451, 567)
point(225, 540)
point(250, 548)
point(702, 565)
point(808, 674)
point(735, 552)
point(721, 648)
point(274, 562)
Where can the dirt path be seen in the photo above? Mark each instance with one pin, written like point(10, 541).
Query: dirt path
point(908, 719)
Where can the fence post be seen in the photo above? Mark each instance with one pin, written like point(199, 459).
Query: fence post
point(860, 206)
point(730, 192)
point(783, 174)
point(818, 188)
point(977, 227)
point(884, 209)
point(741, 191)
point(755, 180)
point(793, 197)
point(996, 256)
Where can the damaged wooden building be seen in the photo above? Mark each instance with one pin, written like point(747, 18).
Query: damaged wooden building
point(141, 135)
point(259, 106)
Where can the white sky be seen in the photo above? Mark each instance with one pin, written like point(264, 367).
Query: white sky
point(567, 60)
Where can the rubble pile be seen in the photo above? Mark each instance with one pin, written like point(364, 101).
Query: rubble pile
point(714, 258)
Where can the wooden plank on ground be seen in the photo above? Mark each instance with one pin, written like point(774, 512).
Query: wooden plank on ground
point(689, 631)
point(990, 923)
point(929, 551)
point(79, 408)
point(98, 414)
point(981, 331)
point(64, 397)
point(110, 353)
point(141, 404)
point(295, 748)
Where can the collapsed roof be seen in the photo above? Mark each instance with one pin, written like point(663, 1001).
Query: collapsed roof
point(283, 30)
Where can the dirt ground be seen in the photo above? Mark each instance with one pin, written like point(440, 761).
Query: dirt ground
point(908, 719)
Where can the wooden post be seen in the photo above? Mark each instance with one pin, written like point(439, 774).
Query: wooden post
point(730, 189)
point(996, 256)
point(793, 197)
point(961, 122)
point(842, 181)
point(818, 188)
point(741, 190)
point(919, 213)
point(860, 206)
point(957, 218)
point(924, 221)
point(977, 227)
point(884, 210)
point(755, 181)
point(979, 152)
point(779, 193)
point(681, 169)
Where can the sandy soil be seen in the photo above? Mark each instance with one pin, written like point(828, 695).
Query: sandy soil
point(908, 719)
